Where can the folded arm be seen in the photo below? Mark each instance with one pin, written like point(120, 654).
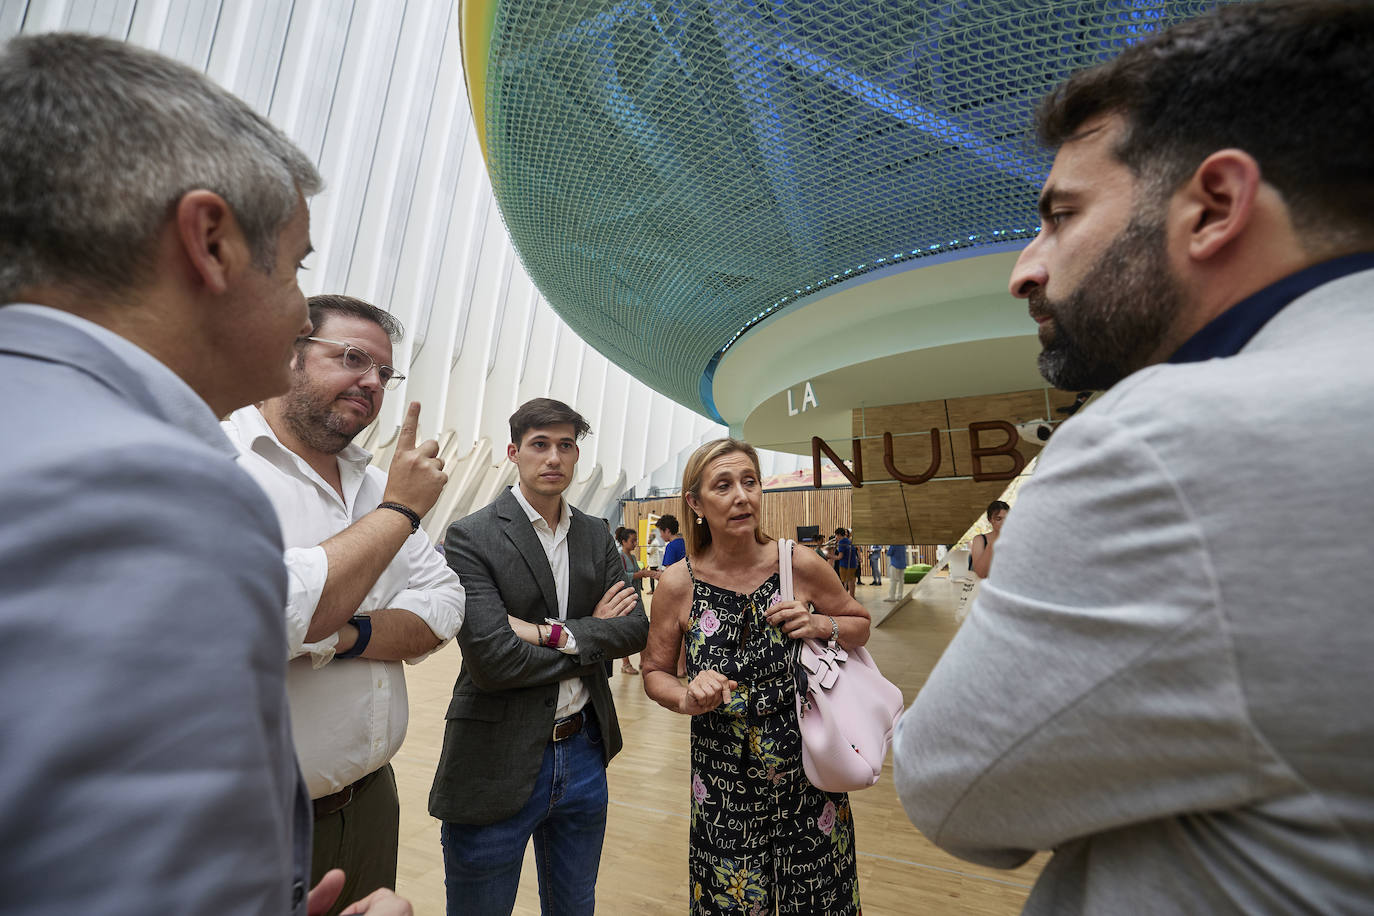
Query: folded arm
point(418, 620)
point(496, 656)
point(598, 638)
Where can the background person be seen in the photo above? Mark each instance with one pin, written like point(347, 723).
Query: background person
point(761, 835)
point(668, 531)
point(629, 560)
point(981, 547)
point(1138, 692)
point(846, 560)
point(654, 555)
point(896, 573)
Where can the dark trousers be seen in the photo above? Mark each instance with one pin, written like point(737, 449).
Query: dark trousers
point(361, 838)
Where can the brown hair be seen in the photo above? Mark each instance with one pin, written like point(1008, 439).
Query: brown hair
point(321, 307)
point(698, 536)
point(542, 412)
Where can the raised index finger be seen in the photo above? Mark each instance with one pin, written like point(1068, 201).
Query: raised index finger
point(405, 441)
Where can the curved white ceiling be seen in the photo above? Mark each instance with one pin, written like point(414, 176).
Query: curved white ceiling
point(914, 333)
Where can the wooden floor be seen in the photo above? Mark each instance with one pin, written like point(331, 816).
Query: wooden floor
point(644, 862)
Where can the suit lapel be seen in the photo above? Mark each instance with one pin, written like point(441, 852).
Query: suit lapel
point(521, 533)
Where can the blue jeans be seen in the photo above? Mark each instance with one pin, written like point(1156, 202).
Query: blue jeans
point(566, 815)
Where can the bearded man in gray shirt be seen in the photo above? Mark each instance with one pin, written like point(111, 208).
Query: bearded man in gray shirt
point(1138, 687)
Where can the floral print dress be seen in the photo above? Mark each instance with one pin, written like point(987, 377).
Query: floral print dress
point(763, 839)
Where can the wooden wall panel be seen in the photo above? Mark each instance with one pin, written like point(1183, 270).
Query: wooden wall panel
point(910, 453)
point(1014, 407)
point(940, 510)
point(783, 510)
point(935, 512)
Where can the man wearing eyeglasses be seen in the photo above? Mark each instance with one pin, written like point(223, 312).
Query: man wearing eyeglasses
point(367, 589)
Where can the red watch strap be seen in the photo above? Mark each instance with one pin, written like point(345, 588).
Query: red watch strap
point(555, 634)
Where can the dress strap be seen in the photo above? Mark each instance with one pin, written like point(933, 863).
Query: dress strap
point(688, 560)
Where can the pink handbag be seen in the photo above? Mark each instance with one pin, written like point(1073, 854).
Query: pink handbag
point(846, 709)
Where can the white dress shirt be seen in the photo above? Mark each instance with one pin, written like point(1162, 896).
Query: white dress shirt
point(348, 716)
point(572, 693)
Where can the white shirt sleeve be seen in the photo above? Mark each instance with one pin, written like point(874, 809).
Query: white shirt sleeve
point(307, 569)
point(433, 592)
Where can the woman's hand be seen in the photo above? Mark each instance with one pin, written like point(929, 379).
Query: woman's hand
point(708, 690)
point(795, 619)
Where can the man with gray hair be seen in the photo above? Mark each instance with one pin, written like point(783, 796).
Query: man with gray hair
point(151, 226)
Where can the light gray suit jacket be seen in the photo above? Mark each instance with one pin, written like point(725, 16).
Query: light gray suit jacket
point(502, 711)
point(146, 763)
point(1167, 679)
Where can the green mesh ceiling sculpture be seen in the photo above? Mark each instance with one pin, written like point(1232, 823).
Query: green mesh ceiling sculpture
point(673, 172)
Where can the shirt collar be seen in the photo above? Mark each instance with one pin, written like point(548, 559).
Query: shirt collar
point(564, 515)
point(1229, 332)
point(177, 400)
point(256, 434)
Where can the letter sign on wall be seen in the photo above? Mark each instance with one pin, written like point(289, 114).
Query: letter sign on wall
point(808, 400)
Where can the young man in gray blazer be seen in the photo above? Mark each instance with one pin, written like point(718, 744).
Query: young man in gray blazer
point(532, 726)
point(1142, 687)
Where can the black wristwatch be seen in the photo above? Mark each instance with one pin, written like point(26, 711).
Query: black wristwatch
point(364, 625)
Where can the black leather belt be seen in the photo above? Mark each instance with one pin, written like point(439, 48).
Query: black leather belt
point(332, 804)
point(564, 729)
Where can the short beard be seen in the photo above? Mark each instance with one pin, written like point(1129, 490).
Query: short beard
point(316, 426)
point(1117, 318)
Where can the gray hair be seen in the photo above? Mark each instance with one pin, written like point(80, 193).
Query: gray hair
point(100, 139)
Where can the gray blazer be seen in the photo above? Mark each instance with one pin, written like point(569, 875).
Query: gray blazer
point(1147, 685)
point(502, 711)
point(146, 763)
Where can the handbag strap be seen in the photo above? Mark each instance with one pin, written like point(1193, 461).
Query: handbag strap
point(785, 569)
point(799, 675)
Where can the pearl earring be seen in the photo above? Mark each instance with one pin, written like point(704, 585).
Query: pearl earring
point(698, 519)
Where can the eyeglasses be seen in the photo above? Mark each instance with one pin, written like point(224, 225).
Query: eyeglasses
point(356, 359)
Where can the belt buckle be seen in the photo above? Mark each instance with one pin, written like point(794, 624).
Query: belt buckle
point(577, 718)
point(336, 802)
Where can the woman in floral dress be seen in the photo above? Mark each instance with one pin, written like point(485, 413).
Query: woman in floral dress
point(763, 839)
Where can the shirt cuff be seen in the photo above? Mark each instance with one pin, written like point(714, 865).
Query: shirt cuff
point(307, 568)
point(439, 609)
point(321, 653)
